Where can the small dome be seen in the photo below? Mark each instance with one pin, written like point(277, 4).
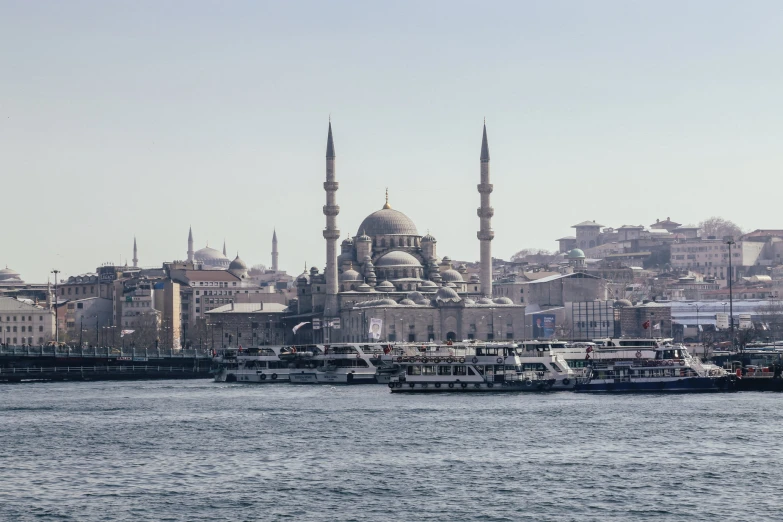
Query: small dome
point(427, 284)
point(364, 287)
point(397, 258)
point(364, 237)
point(386, 286)
point(475, 278)
point(347, 241)
point(452, 275)
point(447, 294)
point(485, 300)
point(504, 301)
point(622, 303)
point(407, 302)
point(6, 274)
point(387, 302)
point(350, 275)
point(576, 253)
point(450, 285)
point(414, 296)
point(469, 301)
point(428, 239)
point(423, 302)
point(237, 264)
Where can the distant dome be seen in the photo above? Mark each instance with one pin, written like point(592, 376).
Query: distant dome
point(447, 294)
point(414, 296)
point(385, 285)
point(622, 303)
point(350, 275)
point(427, 284)
point(452, 275)
point(407, 302)
point(6, 274)
point(237, 264)
point(397, 258)
point(484, 300)
point(211, 258)
point(504, 301)
point(387, 221)
point(576, 253)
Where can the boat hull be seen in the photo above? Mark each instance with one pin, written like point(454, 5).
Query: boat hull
point(476, 387)
point(685, 385)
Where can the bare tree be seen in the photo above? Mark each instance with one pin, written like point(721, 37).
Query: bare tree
point(719, 227)
point(534, 255)
point(743, 337)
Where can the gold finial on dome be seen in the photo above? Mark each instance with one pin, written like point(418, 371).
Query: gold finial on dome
point(387, 199)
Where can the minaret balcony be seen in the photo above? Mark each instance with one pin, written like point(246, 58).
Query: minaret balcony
point(331, 186)
point(331, 234)
point(485, 188)
point(486, 235)
point(485, 212)
point(331, 210)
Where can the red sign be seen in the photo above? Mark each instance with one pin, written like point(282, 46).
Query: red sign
point(646, 324)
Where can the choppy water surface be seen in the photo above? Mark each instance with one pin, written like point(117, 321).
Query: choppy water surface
point(185, 450)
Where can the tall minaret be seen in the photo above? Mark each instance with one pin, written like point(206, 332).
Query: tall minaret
point(331, 232)
point(190, 244)
point(485, 212)
point(274, 250)
point(135, 253)
point(224, 248)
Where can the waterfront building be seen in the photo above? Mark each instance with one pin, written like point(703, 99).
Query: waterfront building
point(25, 323)
point(245, 324)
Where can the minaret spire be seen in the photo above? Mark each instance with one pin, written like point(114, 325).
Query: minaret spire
point(190, 244)
point(274, 250)
point(485, 213)
point(135, 253)
point(331, 232)
point(224, 247)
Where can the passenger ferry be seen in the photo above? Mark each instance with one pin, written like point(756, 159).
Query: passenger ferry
point(671, 369)
point(473, 367)
point(347, 363)
point(262, 364)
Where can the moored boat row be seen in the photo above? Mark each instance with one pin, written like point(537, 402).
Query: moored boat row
point(470, 366)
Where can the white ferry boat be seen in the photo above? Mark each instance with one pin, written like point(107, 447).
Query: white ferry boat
point(347, 363)
point(471, 366)
point(671, 369)
point(262, 364)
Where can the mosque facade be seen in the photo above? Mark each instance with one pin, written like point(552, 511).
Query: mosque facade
point(387, 271)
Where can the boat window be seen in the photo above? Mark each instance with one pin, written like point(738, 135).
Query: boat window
point(460, 370)
point(511, 367)
point(556, 367)
point(428, 370)
point(414, 369)
point(470, 371)
point(480, 370)
point(444, 370)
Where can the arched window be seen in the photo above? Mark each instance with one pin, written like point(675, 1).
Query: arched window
point(391, 242)
point(383, 242)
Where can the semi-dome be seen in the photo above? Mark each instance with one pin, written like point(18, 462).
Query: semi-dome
point(350, 275)
point(504, 301)
point(447, 294)
point(427, 284)
point(364, 287)
point(452, 276)
point(397, 258)
point(576, 253)
point(414, 296)
point(407, 302)
point(387, 221)
point(387, 302)
point(484, 300)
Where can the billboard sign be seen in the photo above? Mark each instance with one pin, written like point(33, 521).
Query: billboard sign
point(722, 321)
point(376, 327)
point(745, 322)
point(543, 326)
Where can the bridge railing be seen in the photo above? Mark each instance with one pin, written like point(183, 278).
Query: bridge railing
point(100, 352)
point(100, 369)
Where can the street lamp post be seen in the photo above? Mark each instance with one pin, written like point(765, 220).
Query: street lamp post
point(56, 317)
point(730, 241)
point(698, 331)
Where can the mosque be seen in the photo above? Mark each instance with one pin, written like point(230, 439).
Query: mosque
point(388, 272)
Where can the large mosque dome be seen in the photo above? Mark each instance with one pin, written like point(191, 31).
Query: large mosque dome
point(387, 221)
point(211, 258)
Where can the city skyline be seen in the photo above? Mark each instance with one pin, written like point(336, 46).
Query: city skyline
point(617, 113)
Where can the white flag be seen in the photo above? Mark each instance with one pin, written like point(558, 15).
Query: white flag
point(657, 327)
point(123, 333)
point(295, 328)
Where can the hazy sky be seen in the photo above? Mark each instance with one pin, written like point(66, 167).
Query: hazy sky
point(123, 118)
